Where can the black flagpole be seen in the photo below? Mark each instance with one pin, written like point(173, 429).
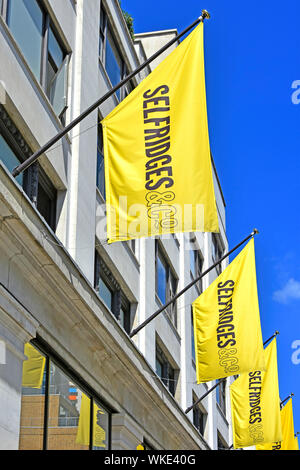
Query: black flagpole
point(222, 380)
point(77, 120)
point(171, 301)
point(286, 399)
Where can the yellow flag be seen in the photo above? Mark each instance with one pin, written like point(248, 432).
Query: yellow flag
point(158, 173)
point(228, 339)
point(33, 367)
point(255, 405)
point(289, 441)
point(83, 432)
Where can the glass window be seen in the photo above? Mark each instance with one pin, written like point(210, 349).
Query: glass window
point(193, 337)
point(46, 199)
point(100, 428)
point(25, 19)
point(34, 181)
point(110, 56)
point(221, 395)
point(67, 426)
point(161, 287)
point(100, 163)
point(9, 158)
point(113, 62)
point(217, 252)
point(111, 293)
point(32, 400)
point(166, 283)
point(67, 404)
point(165, 371)
point(105, 293)
point(32, 29)
point(199, 418)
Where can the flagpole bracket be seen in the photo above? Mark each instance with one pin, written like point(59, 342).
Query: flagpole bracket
point(205, 15)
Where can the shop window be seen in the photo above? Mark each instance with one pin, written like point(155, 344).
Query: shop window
point(56, 412)
point(33, 400)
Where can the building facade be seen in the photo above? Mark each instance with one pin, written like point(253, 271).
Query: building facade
point(70, 375)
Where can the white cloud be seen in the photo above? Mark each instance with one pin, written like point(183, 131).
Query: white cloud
point(290, 291)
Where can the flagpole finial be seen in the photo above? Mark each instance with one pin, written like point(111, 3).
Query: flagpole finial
point(205, 15)
point(255, 231)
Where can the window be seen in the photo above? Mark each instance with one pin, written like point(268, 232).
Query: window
point(33, 30)
point(199, 418)
point(165, 282)
point(111, 57)
point(221, 395)
point(36, 184)
point(100, 163)
point(56, 410)
point(217, 252)
point(196, 265)
point(111, 294)
point(221, 443)
point(165, 371)
point(193, 337)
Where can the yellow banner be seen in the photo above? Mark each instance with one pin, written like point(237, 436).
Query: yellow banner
point(83, 432)
point(255, 404)
point(289, 441)
point(33, 367)
point(228, 339)
point(158, 172)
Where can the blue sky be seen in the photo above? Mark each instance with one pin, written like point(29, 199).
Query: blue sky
point(252, 55)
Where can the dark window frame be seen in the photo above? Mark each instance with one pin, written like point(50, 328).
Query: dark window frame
point(217, 251)
point(199, 418)
point(47, 25)
point(221, 396)
point(171, 283)
point(168, 373)
point(106, 29)
point(119, 300)
point(34, 176)
point(52, 357)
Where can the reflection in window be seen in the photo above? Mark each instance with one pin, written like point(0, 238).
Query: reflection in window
point(33, 31)
point(165, 371)
point(217, 252)
point(33, 400)
point(35, 182)
point(9, 158)
point(67, 426)
point(25, 19)
point(100, 163)
point(199, 418)
point(64, 409)
point(111, 57)
point(166, 283)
